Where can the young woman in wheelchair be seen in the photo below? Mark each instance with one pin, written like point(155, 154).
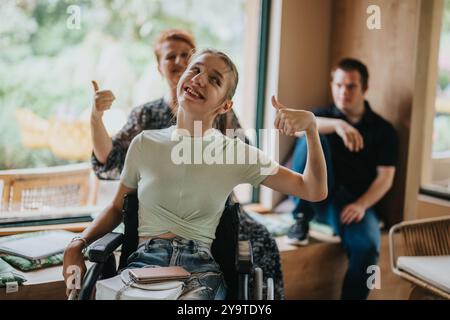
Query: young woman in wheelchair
point(172, 49)
point(184, 174)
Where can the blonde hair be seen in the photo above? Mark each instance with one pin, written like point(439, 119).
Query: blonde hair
point(225, 58)
point(222, 122)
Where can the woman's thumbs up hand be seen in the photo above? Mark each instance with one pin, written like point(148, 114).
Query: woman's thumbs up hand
point(103, 100)
point(291, 121)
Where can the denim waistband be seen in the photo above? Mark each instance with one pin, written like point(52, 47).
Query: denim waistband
point(176, 241)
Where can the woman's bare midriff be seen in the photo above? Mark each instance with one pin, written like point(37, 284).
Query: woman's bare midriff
point(167, 235)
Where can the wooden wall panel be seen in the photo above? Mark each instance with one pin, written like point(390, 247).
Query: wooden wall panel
point(304, 57)
point(419, 157)
point(390, 56)
point(299, 71)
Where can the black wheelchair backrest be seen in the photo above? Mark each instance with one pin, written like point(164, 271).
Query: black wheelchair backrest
point(223, 247)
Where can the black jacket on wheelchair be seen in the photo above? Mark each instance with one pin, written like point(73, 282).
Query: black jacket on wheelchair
point(234, 257)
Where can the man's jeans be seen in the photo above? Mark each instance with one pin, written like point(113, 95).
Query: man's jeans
point(206, 281)
point(361, 240)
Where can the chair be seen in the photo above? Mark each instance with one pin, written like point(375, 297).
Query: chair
point(47, 188)
point(234, 257)
point(422, 255)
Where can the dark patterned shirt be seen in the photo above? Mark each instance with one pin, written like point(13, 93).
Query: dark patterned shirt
point(158, 115)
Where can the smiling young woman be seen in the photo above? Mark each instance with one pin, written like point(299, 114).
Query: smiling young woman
point(180, 205)
point(171, 49)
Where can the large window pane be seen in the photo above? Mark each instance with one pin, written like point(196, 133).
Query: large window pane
point(50, 51)
point(46, 64)
point(440, 175)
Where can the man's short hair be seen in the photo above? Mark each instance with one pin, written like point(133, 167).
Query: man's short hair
point(349, 64)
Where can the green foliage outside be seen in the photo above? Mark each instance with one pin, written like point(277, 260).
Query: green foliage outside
point(46, 67)
point(441, 139)
point(442, 127)
point(446, 23)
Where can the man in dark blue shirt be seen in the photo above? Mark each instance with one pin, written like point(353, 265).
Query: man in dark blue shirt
point(360, 149)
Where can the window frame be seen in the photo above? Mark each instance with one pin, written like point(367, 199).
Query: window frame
point(10, 227)
point(264, 31)
point(425, 186)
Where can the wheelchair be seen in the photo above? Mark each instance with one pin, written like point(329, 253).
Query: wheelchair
point(233, 256)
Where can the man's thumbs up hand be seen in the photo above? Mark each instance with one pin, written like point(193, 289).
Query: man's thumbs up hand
point(103, 100)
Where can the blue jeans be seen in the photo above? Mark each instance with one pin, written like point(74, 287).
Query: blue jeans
point(360, 240)
point(206, 281)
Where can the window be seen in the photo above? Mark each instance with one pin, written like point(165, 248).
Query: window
point(50, 51)
point(438, 181)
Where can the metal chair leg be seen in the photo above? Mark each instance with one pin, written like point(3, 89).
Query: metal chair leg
point(258, 293)
point(243, 286)
point(270, 289)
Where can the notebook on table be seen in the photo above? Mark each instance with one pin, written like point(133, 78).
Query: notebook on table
point(37, 246)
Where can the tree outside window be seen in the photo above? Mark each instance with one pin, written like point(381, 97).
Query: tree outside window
point(440, 178)
point(51, 50)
